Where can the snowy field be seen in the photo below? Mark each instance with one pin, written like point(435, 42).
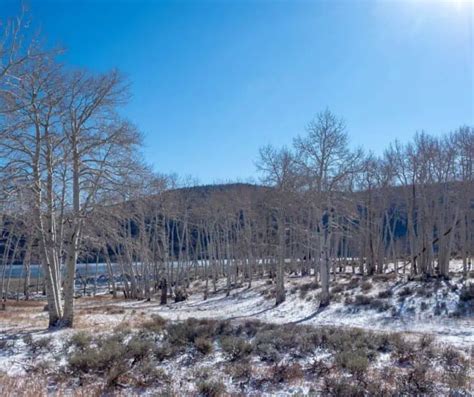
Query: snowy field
point(381, 305)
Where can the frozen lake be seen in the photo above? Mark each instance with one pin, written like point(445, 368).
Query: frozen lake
point(82, 269)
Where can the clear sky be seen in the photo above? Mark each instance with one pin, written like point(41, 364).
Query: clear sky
point(212, 81)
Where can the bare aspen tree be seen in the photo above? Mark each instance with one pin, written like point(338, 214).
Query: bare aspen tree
point(99, 149)
point(31, 146)
point(278, 169)
point(327, 164)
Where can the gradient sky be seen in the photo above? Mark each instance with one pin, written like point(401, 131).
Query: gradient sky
point(212, 81)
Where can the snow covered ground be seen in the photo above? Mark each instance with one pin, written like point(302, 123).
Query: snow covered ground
point(381, 304)
point(428, 308)
point(254, 303)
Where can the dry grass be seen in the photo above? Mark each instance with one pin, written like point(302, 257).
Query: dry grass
point(23, 314)
point(90, 311)
point(24, 386)
point(102, 310)
point(24, 304)
point(27, 386)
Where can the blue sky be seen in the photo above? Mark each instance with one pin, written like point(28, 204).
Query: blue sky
point(213, 81)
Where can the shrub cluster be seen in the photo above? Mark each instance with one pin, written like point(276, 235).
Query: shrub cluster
point(39, 345)
point(235, 347)
point(406, 291)
point(348, 367)
point(466, 297)
point(211, 388)
point(109, 356)
point(366, 286)
point(353, 283)
point(305, 288)
point(388, 293)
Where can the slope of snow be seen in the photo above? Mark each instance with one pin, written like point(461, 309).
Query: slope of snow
point(244, 303)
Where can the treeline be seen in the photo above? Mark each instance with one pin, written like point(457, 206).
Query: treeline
point(72, 185)
point(408, 211)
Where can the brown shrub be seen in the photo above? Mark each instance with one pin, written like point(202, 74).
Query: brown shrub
point(241, 370)
point(156, 324)
point(340, 386)
point(319, 368)
point(353, 283)
point(467, 293)
point(235, 347)
point(366, 286)
point(385, 294)
point(203, 345)
point(286, 373)
point(353, 361)
point(210, 388)
point(404, 292)
point(305, 288)
point(417, 380)
point(385, 277)
point(362, 300)
point(39, 345)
